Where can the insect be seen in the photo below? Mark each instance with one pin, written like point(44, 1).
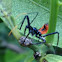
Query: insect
point(34, 31)
point(37, 32)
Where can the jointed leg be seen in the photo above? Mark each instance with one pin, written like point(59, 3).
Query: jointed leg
point(25, 30)
point(27, 35)
point(34, 17)
point(52, 34)
point(24, 20)
point(44, 41)
point(26, 17)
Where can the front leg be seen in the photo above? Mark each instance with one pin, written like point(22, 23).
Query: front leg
point(28, 21)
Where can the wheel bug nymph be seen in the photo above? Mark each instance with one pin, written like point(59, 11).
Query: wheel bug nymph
point(34, 31)
point(37, 32)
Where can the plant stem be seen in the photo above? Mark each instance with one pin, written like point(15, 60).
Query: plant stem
point(53, 19)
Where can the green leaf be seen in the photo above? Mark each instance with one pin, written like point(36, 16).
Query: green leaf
point(42, 6)
point(46, 5)
point(43, 17)
point(52, 58)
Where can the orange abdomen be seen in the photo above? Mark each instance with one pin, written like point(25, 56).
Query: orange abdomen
point(45, 27)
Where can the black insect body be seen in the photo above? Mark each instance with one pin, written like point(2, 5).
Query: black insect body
point(35, 31)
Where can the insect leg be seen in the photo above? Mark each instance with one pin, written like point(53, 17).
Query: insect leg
point(25, 31)
point(26, 17)
point(34, 17)
point(44, 41)
point(52, 34)
point(27, 36)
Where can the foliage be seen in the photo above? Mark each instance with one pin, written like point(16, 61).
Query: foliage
point(16, 7)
